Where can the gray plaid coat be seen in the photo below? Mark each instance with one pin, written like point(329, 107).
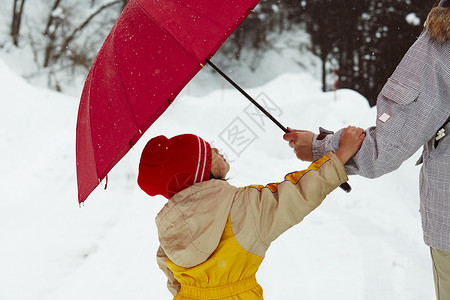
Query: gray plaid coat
point(412, 107)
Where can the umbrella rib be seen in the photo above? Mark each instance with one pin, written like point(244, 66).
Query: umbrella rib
point(126, 95)
point(90, 127)
point(168, 33)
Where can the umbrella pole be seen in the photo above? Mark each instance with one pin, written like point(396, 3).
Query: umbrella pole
point(345, 186)
point(247, 95)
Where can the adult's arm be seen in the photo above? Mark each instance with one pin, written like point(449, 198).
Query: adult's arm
point(412, 106)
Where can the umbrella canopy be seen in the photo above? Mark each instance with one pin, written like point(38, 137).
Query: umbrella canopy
point(153, 50)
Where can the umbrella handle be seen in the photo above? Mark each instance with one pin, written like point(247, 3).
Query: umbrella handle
point(262, 109)
point(345, 186)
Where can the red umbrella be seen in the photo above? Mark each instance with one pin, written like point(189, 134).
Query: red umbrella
point(151, 53)
point(153, 50)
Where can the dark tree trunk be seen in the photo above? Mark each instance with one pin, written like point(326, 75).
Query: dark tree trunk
point(16, 20)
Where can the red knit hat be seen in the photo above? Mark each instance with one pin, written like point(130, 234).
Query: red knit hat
point(168, 166)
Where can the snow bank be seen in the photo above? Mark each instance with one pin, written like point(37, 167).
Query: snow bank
point(363, 245)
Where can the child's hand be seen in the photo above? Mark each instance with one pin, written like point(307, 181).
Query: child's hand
point(301, 141)
point(350, 142)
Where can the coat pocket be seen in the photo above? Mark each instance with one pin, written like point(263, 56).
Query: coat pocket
point(395, 104)
point(399, 93)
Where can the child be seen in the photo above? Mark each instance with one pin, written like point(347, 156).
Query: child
point(213, 235)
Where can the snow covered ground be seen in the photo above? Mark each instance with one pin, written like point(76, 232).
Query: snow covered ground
point(358, 246)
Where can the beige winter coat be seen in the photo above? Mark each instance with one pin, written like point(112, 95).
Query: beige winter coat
point(191, 226)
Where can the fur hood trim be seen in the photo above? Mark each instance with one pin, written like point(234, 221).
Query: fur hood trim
point(438, 23)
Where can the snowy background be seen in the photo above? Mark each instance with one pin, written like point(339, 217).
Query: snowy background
point(359, 246)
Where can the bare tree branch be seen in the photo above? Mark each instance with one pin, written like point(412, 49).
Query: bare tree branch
point(51, 17)
point(70, 38)
point(16, 20)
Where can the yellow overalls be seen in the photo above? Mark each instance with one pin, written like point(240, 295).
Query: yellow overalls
point(229, 273)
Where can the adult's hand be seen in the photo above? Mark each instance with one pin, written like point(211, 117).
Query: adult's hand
point(301, 142)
